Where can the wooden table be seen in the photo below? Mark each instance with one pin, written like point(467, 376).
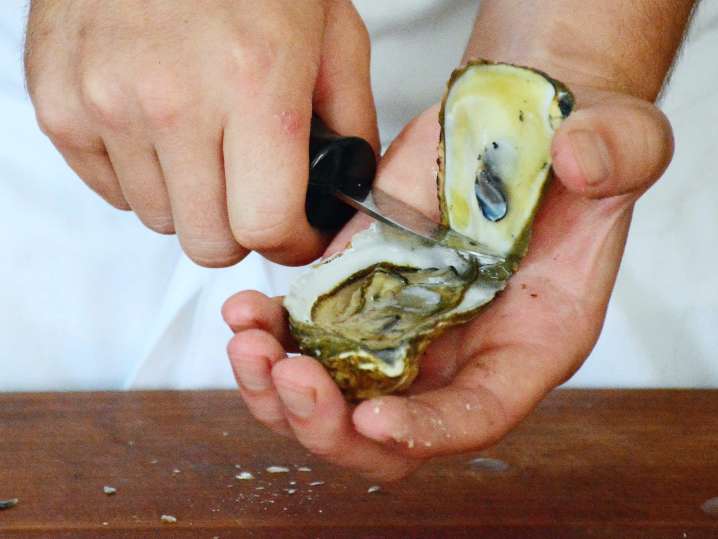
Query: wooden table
point(616, 464)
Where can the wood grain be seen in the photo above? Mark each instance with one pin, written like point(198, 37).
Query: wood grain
point(618, 464)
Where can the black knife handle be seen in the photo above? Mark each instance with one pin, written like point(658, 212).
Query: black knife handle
point(336, 162)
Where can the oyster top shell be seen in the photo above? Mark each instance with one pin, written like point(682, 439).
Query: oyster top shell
point(497, 124)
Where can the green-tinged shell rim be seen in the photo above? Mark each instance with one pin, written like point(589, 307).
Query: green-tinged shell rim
point(386, 385)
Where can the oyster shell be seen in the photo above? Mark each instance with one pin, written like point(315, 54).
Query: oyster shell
point(497, 124)
point(369, 312)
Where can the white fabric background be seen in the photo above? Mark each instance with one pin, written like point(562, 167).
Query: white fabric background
point(91, 299)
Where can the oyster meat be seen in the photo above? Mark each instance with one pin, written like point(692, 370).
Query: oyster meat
point(369, 312)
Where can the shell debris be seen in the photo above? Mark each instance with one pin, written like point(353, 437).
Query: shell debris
point(8, 504)
point(277, 469)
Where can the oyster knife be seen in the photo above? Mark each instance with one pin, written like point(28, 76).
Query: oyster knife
point(390, 210)
point(343, 169)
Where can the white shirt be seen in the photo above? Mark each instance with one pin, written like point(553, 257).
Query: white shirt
point(90, 299)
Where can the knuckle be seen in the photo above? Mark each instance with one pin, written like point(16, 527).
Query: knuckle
point(271, 417)
point(212, 253)
point(103, 99)
point(260, 231)
point(322, 446)
point(164, 100)
point(248, 341)
point(265, 409)
point(248, 63)
point(109, 191)
point(242, 310)
point(664, 132)
point(361, 36)
point(57, 123)
point(54, 123)
point(118, 202)
point(356, 31)
point(161, 223)
point(115, 199)
point(238, 346)
point(654, 144)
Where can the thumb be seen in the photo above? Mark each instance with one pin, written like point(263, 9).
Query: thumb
point(619, 145)
point(342, 93)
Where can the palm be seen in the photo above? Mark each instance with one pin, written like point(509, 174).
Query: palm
point(548, 318)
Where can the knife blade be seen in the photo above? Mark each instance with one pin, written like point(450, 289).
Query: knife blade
point(394, 212)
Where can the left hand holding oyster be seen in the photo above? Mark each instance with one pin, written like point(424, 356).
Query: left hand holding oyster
point(477, 380)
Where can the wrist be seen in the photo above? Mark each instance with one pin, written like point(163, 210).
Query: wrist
point(612, 46)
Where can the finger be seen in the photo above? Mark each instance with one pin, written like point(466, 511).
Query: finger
point(488, 398)
point(266, 162)
point(84, 151)
point(408, 168)
point(440, 361)
point(342, 94)
point(321, 421)
point(618, 145)
point(408, 165)
point(95, 169)
point(253, 310)
point(52, 82)
point(252, 354)
point(357, 223)
point(192, 166)
point(442, 421)
point(142, 182)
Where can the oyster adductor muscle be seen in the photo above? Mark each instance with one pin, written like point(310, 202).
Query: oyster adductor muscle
point(369, 312)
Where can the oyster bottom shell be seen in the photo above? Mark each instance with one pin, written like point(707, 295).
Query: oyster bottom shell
point(369, 313)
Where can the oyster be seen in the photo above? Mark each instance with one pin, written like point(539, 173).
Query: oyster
point(369, 312)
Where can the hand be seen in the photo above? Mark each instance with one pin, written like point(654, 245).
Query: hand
point(196, 115)
point(478, 380)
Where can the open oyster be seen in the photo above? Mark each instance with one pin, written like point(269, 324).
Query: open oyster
point(369, 312)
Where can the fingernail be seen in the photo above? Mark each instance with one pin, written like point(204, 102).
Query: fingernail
point(591, 154)
point(254, 374)
point(299, 401)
